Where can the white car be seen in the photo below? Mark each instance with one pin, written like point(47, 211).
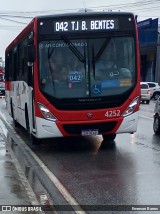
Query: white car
point(155, 89)
point(145, 92)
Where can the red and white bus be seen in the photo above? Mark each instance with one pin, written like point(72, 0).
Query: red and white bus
point(75, 74)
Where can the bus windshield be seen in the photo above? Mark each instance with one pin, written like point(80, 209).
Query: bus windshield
point(91, 67)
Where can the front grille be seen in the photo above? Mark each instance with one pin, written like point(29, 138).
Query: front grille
point(77, 128)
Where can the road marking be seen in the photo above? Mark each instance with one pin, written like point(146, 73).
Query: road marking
point(69, 198)
point(146, 117)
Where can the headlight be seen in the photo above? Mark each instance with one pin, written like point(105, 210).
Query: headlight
point(46, 113)
point(131, 107)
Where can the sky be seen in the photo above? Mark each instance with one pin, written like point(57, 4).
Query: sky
point(15, 15)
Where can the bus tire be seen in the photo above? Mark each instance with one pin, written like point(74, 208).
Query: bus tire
point(109, 137)
point(33, 140)
point(15, 123)
point(108, 141)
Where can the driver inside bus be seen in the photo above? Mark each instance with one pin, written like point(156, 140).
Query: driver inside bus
point(49, 72)
point(55, 70)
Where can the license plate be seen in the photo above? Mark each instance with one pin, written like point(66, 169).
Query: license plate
point(89, 132)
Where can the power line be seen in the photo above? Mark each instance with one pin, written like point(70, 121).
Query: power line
point(16, 16)
point(11, 20)
point(139, 6)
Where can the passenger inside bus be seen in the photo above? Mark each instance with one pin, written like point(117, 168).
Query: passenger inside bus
point(55, 70)
point(63, 75)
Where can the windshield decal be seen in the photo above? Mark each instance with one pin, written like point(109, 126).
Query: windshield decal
point(96, 89)
point(110, 84)
point(75, 76)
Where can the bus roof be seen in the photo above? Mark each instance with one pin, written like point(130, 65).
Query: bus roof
point(88, 13)
point(65, 15)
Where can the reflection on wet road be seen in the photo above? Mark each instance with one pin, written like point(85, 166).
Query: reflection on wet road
point(12, 191)
point(125, 174)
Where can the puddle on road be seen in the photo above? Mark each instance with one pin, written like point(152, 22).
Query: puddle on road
point(12, 191)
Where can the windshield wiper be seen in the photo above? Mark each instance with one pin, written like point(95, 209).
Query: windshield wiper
point(74, 49)
point(76, 52)
point(104, 45)
point(97, 56)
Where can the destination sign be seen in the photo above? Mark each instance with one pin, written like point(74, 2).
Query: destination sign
point(86, 25)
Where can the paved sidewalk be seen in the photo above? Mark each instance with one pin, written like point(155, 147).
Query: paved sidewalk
point(14, 187)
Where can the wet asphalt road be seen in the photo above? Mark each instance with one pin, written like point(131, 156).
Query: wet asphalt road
point(126, 174)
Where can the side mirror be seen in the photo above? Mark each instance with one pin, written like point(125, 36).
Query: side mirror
point(31, 53)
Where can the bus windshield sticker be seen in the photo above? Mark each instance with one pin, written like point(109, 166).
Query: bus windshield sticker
point(110, 84)
point(75, 76)
point(125, 82)
point(96, 89)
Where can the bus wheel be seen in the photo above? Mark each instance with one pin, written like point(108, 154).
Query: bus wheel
point(33, 140)
point(15, 123)
point(108, 141)
point(156, 125)
point(109, 137)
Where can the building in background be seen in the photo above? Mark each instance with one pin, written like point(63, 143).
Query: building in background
point(149, 50)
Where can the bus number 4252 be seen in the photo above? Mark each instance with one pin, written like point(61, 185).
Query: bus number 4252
point(113, 113)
